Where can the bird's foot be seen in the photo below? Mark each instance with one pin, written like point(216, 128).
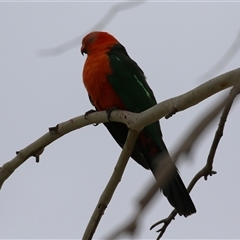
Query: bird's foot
point(88, 113)
point(109, 111)
point(171, 113)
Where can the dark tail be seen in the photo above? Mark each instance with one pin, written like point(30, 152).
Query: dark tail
point(178, 196)
point(175, 191)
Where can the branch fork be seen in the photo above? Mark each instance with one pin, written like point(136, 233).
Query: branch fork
point(135, 122)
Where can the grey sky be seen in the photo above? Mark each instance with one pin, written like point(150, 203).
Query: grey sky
point(174, 43)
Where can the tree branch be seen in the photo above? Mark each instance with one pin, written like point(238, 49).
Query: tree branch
point(190, 98)
point(37, 147)
point(207, 169)
point(163, 174)
point(187, 145)
point(135, 122)
point(219, 133)
point(112, 185)
point(228, 55)
point(102, 23)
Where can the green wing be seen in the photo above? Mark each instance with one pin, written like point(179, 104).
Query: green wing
point(129, 82)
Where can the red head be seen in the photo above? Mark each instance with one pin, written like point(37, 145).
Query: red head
point(97, 41)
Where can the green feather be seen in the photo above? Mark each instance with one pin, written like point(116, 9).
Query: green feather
point(129, 82)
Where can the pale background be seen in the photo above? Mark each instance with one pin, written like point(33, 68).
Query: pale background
point(174, 43)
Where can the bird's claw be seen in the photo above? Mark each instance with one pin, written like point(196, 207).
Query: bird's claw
point(171, 113)
point(88, 113)
point(109, 111)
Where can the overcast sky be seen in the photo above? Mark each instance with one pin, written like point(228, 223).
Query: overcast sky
point(174, 43)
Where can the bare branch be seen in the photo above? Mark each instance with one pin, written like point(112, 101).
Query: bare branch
point(164, 173)
point(135, 122)
point(36, 148)
point(207, 169)
point(110, 15)
point(165, 222)
point(189, 98)
point(219, 133)
point(132, 120)
point(112, 185)
point(228, 55)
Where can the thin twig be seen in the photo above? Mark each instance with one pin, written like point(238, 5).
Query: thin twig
point(134, 121)
point(219, 133)
point(228, 55)
point(164, 174)
point(102, 23)
point(165, 222)
point(207, 169)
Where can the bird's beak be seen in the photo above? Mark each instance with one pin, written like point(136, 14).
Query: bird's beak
point(83, 50)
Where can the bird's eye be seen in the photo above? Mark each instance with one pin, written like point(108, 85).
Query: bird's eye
point(91, 39)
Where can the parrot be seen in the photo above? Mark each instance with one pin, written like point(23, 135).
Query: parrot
point(114, 81)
